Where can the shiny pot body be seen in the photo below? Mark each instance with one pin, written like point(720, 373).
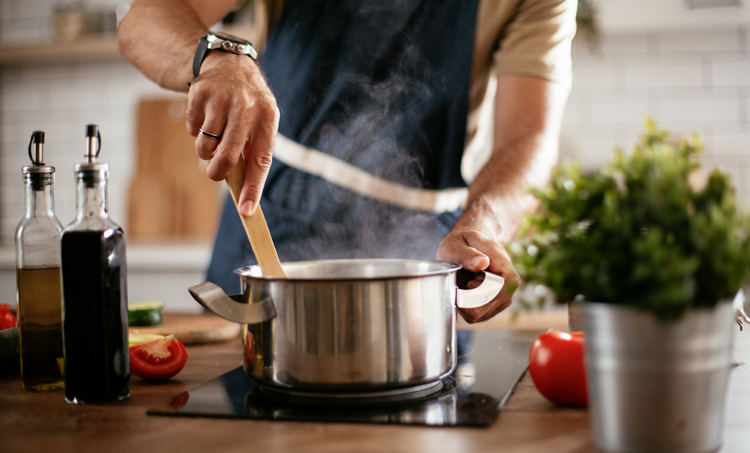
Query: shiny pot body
point(657, 386)
point(352, 325)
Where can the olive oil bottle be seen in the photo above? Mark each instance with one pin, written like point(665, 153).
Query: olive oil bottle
point(38, 277)
point(94, 286)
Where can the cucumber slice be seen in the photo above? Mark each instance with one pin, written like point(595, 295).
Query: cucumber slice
point(138, 338)
point(145, 313)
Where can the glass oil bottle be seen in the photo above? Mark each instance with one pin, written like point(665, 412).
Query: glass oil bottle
point(38, 276)
point(94, 285)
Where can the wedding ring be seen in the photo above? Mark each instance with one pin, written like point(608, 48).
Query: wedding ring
point(210, 135)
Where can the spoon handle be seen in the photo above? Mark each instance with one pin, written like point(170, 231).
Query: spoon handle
point(255, 227)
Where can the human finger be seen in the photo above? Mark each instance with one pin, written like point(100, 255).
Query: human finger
point(206, 119)
point(234, 140)
point(467, 245)
point(455, 248)
point(210, 136)
point(259, 154)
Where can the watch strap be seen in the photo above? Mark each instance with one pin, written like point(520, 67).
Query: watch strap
point(200, 54)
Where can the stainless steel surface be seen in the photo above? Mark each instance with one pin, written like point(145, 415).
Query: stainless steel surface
point(490, 364)
point(350, 325)
point(36, 142)
point(378, 396)
point(227, 43)
point(738, 305)
point(654, 386)
point(575, 317)
point(481, 295)
point(353, 325)
point(214, 298)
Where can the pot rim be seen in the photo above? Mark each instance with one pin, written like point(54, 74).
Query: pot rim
point(441, 267)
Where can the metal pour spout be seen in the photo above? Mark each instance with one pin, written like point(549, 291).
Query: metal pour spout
point(36, 148)
point(93, 137)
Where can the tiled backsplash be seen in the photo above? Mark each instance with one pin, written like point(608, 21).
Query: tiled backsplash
point(687, 81)
point(60, 100)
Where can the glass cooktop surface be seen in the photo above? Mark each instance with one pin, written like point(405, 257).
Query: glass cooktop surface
point(490, 364)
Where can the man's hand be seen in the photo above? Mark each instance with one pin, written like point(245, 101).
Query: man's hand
point(528, 113)
point(476, 252)
point(230, 98)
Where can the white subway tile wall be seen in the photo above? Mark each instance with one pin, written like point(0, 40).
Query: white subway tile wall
point(685, 80)
point(61, 99)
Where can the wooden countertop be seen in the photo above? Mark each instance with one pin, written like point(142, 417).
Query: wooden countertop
point(34, 422)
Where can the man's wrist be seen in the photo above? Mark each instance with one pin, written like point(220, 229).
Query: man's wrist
point(215, 42)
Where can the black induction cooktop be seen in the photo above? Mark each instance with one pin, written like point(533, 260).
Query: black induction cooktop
point(490, 364)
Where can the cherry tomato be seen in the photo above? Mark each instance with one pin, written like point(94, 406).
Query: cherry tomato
point(7, 320)
point(159, 359)
point(557, 369)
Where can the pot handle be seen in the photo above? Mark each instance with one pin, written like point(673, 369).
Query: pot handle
point(232, 307)
point(474, 300)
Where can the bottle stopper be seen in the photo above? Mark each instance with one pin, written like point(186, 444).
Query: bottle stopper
point(91, 170)
point(36, 148)
point(36, 155)
point(92, 137)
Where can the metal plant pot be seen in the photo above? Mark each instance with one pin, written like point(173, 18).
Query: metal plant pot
point(657, 386)
point(354, 325)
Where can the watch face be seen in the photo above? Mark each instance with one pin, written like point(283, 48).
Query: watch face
point(228, 37)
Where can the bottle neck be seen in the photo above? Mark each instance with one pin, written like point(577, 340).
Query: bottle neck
point(39, 197)
point(91, 199)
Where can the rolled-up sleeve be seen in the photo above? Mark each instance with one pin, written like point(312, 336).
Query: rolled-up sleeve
point(536, 41)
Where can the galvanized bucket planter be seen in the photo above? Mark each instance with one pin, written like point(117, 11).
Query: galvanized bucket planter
point(656, 386)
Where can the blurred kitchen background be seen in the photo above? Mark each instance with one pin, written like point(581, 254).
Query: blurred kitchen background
point(685, 63)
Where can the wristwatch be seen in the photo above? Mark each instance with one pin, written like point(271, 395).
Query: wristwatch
point(221, 41)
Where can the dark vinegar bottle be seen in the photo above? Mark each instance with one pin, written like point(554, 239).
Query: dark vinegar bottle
point(94, 287)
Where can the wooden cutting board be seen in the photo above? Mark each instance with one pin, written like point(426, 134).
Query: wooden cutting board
point(193, 328)
point(170, 195)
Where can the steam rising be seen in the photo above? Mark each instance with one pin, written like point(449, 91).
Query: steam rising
point(374, 130)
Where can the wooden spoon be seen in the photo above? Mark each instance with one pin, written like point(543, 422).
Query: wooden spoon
point(255, 227)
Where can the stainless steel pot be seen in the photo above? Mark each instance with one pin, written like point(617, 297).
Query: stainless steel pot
point(349, 325)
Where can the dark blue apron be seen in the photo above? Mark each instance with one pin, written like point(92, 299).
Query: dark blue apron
point(382, 85)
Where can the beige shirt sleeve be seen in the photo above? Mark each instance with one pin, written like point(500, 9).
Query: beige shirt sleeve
point(514, 37)
point(536, 42)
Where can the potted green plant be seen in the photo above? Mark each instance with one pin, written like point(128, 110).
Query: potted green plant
point(654, 260)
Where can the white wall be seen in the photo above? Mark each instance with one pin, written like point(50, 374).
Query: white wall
point(627, 16)
point(685, 80)
point(689, 70)
point(61, 99)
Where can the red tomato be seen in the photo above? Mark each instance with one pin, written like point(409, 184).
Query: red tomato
point(7, 320)
point(556, 367)
point(159, 359)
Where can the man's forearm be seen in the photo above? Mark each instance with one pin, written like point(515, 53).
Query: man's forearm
point(527, 120)
point(160, 36)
